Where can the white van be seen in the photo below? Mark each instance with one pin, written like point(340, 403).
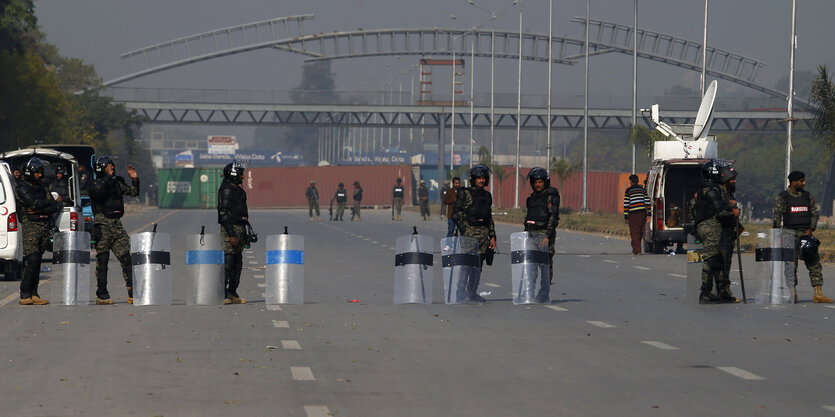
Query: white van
point(11, 238)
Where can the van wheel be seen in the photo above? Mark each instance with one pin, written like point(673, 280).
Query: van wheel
point(648, 247)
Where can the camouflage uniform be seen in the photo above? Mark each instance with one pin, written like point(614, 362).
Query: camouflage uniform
point(714, 240)
point(726, 243)
point(814, 267)
point(36, 232)
point(468, 286)
point(357, 201)
point(110, 235)
point(240, 233)
point(481, 233)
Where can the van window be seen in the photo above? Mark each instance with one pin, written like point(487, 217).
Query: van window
point(681, 183)
point(2, 190)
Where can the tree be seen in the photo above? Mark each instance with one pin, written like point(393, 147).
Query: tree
point(564, 169)
point(644, 138)
point(822, 98)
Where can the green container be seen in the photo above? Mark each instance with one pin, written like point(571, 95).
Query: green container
point(179, 188)
point(210, 179)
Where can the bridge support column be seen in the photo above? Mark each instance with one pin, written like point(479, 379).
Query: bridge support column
point(441, 153)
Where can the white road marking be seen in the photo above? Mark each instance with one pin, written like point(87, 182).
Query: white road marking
point(253, 262)
point(610, 261)
point(740, 373)
point(317, 411)
point(249, 252)
point(281, 324)
point(640, 267)
point(261, 285)
point(274, 307)
point(561, 251)
point(302, 373)
point(677, 275)
point(250, 257)
point(8, 299)
point(584, 256)
point(659, 345)
point(829, 407)
point(826, 306)
point(290, 345)
point(557, 308)
point(600, 324)
point(259, 275)
point(490, 284)
point(375, 242)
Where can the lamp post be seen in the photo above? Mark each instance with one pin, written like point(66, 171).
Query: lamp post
point(585, 206)
point(518, 114)
point(791, 93)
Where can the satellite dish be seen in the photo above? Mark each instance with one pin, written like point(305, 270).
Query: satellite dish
point(704, 118)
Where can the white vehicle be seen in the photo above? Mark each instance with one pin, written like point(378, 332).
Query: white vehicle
point(675, 175)
point(11, 238)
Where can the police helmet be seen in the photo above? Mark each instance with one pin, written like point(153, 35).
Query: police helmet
point(60, 169)
point(710, 170)
point(726, 173)
point(399, 180)
point(32, 166)
point(341, 185)
point(539, 173)
point(479, 170)
point(102, 162)
point(356, 183)
point(234, 171)
point(809, 248)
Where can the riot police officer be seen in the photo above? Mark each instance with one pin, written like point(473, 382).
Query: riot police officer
point(312, 194)
point(37, 207)
point(341, 197)
point(796, 210)
point(543, 217)
point(710, 211)
point(60, 185)
point(355, 210)
point(474, 218)
point(106, 196)
point(730, 230)
point(233, 216)
point(397, 194)
point(423, 200)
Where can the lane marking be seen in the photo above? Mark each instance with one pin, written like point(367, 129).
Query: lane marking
point(253, 262)
point(259, 275)
point(640, 267)
point(557, 308)
point(9, 298)
point(152, 223)
point(659, 345)
point(291, 345)
point(375, 242)
point(610, 261)
point(281, 324)
point(829, 407)
point(274, 307)
point(490, 284)
point(740, 373)
point(317, 411)
point(561, 251)
point(261, 285)
point(830, 306)
point(677, 275)
point(302, 373)
point(600, 324)
point(584, 256)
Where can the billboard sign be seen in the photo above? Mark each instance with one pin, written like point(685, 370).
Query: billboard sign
point(222, 145)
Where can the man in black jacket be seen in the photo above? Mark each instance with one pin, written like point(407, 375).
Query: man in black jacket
point(543, 216)
point(233, 216)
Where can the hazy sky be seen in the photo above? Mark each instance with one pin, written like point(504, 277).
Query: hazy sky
point(98, 31)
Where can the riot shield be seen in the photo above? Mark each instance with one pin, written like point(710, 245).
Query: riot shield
point(775, 266)
point(460, 261)
point(71, 268)
point(413, 269)
point(204, 266)
point(285, 269)
point(530, 279)
point(150, 254)
point(694, 268)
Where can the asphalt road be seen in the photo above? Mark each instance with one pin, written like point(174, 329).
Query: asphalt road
point(619, 339)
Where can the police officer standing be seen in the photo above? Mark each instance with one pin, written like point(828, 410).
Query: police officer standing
point(730, 231)
point(474, 218)
point(796, 210)
point(341, 197)
point(450, 197)
point(60, 185)
point(543, 217)
point(108, 208)
point(710, 211)
point(397, 194)
point(37, 207)
point(233, 216)
point(313, 200)
point(357, 201)
point(423, 200)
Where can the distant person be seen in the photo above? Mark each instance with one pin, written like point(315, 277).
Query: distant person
point(60, 185)
point(450, 197)
point(355, 210)
point(17, 177)
point(636, 209)
point(398, 192)
point(36, 207)
point(543, 217)
point(796, 210)
point(312, 195)
point(85, 179)
point(730, 231)
point(341, 197)
point(443, 211)
point(423, 200)
point(474, 218)
point(233, 217)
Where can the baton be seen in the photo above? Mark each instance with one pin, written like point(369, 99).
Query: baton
point(739, 260)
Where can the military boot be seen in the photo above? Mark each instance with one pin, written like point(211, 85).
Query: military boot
point(819, 297)
point(725, 296)
point(38, 301)
point(130, 295)
point(707, 297)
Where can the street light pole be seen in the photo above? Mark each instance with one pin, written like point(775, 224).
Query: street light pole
point(791, 94)
point(518, 114)
point(550, 64)
point(585, 206)
point(704, 54)
point(472, 80)
point(634, 75)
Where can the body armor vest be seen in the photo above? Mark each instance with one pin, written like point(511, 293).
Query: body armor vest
point(479, 213)
point(32, 194)
point(398, 192)
point(231, 204)
point(539, 210)
point(341, 196)
point(798, 213)
point(108, 200)
point(703, 208)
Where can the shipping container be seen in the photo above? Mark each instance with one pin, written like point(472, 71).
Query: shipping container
point(210, 179)
point(178, 188)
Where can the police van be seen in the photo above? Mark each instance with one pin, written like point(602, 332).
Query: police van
point(11, 237)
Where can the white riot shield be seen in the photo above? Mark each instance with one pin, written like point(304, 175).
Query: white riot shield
point(71, 268)
point(530, 279)
point(775, 266)
point(460, 261)
point(694, 268)
point(413, 262)
point(285, 269)
point(204, 265)
point(150, 254)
